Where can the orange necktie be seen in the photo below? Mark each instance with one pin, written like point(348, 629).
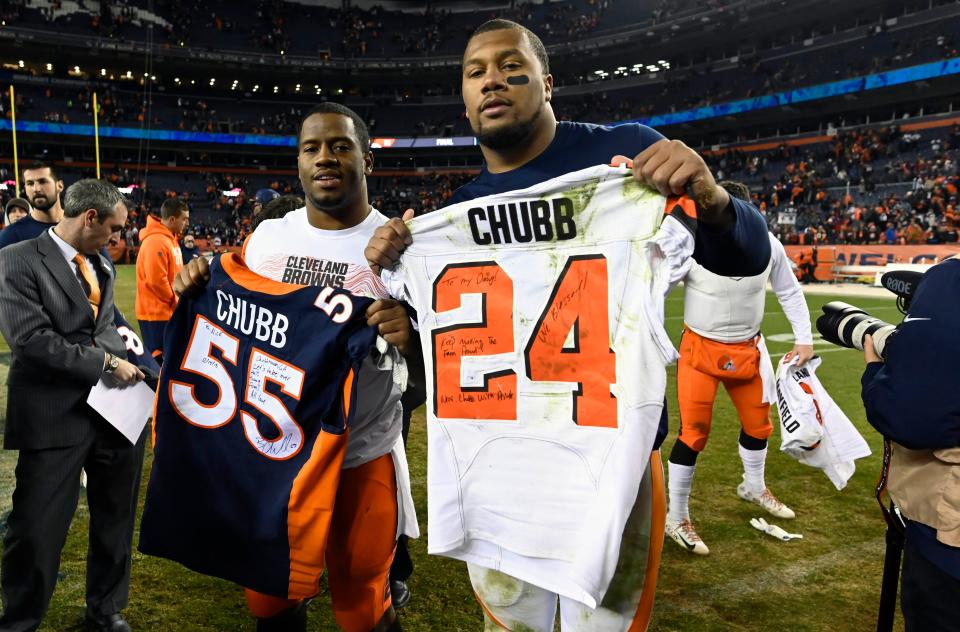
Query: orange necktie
point(92, 285)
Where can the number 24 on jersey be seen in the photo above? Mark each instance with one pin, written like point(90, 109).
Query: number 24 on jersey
point(577, 311)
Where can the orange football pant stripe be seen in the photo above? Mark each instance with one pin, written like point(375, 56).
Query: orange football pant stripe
point(359, 551)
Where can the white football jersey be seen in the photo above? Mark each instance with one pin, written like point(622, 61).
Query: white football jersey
point(813, 429)
point(541, 317)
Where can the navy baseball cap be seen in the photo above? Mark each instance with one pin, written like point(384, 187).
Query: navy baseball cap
point(265, 196)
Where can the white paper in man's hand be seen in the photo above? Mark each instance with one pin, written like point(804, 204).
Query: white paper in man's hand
point(127, 409)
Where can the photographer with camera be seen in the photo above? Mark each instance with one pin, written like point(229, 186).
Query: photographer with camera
point(909, 393)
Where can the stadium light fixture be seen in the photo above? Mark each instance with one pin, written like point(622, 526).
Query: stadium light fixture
point(298, 87)
point(598, 72)
point(256, 87)
point(283, 52)
point(49, 66)
point(20, 63)
point(129, 74)
point(103, 72)
point(193, 82)
point(176, 79)
point(339, 90)
point(153, 77)
point(276, 89)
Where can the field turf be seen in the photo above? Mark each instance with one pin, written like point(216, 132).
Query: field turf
point(827, 581)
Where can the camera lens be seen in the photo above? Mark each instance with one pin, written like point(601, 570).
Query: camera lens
point(846, 326)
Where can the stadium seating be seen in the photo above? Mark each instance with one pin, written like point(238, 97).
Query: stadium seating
point(823, 185)
point(400, 113)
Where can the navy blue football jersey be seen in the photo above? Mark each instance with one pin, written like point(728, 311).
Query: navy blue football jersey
point(136, 353)
point(252, 414)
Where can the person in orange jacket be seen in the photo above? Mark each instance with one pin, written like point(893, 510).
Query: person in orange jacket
point(158, 261)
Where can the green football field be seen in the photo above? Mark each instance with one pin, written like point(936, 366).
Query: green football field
point(829, 580)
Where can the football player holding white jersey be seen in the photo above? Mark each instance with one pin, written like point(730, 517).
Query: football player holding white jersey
point(507, 91)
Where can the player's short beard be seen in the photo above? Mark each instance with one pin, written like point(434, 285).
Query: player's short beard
point(510, 136)
point(46, 206)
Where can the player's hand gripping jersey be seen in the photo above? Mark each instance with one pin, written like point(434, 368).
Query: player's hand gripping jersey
point(252, 416)
point(541, 317)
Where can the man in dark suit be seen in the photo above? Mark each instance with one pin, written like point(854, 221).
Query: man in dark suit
point(56, 313)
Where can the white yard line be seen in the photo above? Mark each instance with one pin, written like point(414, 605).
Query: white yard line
point(781, 579)
point(775, 356)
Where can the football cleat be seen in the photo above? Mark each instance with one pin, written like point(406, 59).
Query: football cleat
point(686, 536)
point(767, 500)
point(400, 593)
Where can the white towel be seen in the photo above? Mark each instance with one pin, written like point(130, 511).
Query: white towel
point(407, 512)
point(767, 379)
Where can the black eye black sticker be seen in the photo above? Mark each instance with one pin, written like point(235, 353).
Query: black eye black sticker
point(518, 80)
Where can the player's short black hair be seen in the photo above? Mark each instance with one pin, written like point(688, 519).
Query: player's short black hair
point(328, 107)
point(173, 207)
point(39, 164)
point(499, 24)
point(737, 189)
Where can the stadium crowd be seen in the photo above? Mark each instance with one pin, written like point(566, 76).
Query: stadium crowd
point(215, 109)
point(871, 185)
point(274, 26)
point(867, 186)
point(392, 111)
